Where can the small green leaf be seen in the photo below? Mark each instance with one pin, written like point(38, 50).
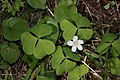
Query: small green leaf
point(78, 72)
point(114, 52)
point(13, 12)
point(54, 36)
point(85, 34)
point(57, 58)
point(14, 27)
point(112, 3)
point(4, 7)
point(66, 66)
point(73, 75)
point(71, 55)
point(3, 64)
point(38, 4)
point(7, 22)
point(116, 47)
point(41, 30)
point(107, 6)
point(81, 21)
point(44, 47)
point(103, 47)
point(16, 7)
point(9, 7)
point(115, 66)
point(28, 43)
point(10, 53)
point(108, 37)
point(68, 28)
point(83, 70)
point(64, 11)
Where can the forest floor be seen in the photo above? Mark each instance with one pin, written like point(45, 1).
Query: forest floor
point(101, 17)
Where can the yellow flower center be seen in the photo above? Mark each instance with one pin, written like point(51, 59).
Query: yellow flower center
point(75, 43)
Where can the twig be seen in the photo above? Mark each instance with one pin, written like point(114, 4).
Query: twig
point(33, 74)
point(118, 5)
point(88, 10)
point(92, 70)
point(88, 66)
point(85, 58)
point(50, 11)
point(6, 75)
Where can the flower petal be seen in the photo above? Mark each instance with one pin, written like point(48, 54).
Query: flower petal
point(74, 48)
point(70, 43)
point(80, 42)
point(80, 47)
point(75, 38)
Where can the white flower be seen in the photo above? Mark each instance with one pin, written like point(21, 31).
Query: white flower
point(75, 44)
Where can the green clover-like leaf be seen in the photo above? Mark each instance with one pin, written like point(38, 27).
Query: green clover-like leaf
point(115, 66)
point(3, 65)
point(116, 47)
point(66, 66)
point(81, 21)
point(54, 36)
point(43, 47)
point(64, 11)
point(14, 27)
point(37, 4)
point(71, 55)
point(68, 28)
point(41, 30)
point(102, 48)
point(28, 42)
point(108, 37)
point(57, 58)
point(78, 72)
point(85, 34)
point(10, 53)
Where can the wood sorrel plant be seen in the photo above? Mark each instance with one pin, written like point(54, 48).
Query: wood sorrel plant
point(46, 46)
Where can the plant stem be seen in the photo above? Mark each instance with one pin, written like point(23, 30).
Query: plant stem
point(32, 65)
